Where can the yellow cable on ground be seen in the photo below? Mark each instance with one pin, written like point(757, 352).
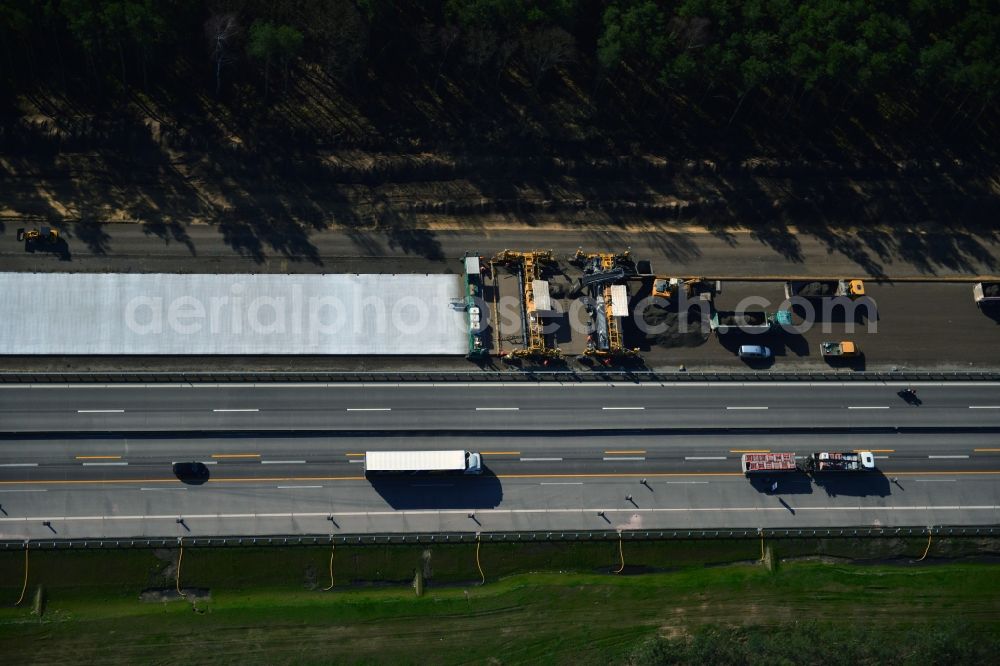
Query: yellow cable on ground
point(177, 580)
point(327, 589)
point(621, 554)
point(478, 565)
point(762, 546)
point(928, 549)
point(25, 587)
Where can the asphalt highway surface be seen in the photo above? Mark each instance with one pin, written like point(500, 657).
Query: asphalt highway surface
point(203, 249)
point(495, 408)
point(98, 462)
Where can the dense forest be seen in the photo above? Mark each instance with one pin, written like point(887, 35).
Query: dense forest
point(726, 57)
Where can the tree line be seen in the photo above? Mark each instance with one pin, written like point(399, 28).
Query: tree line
point(945, 49)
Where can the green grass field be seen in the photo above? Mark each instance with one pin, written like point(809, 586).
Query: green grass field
point(267, 605)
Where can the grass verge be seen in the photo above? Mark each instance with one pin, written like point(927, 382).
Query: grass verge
point(267, 605)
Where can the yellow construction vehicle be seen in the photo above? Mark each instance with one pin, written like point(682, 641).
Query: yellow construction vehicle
point(43, 235)
point(530, 264)
point(603, 275)
point(669, 288)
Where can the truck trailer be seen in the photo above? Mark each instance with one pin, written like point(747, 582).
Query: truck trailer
point(765, 463)
point(417, 462)
point(723, 322)
point(841, 461)
point(986, 293)
point(825, 288)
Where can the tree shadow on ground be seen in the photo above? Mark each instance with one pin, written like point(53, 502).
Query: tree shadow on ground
point(169, 231)
point(422, 242)
point(93, 235)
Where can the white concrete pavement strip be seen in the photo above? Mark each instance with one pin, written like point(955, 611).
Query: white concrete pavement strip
point(535, 504)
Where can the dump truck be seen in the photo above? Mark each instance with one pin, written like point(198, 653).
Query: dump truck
point(986, 293)
point(841, 461)
point(764, 463)
point(419, 462)
point(825, 288)
point(844, 349)
point(748, 322)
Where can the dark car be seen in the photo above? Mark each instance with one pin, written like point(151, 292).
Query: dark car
point(194, 473)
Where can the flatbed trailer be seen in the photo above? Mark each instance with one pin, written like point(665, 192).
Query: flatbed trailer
point(762, 463)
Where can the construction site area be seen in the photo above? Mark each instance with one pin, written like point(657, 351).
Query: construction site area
point(544, 308)
point(608, 308)
point(534, 308)
point(526, 309)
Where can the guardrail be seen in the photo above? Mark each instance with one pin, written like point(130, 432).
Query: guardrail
point(553, 376)
point(510, 537)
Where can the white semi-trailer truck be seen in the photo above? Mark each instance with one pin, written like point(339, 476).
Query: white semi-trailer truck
point(416, 462)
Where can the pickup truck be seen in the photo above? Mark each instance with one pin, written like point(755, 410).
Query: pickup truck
point(845, 349)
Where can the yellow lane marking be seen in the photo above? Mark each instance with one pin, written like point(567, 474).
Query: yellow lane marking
point(636, 451)
point(500, 453)
point(271, 479)
point(749, 450)
point(985, 450)
point(354, 454)
point(875, 450)
point(236, 455)
point(98, 457)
